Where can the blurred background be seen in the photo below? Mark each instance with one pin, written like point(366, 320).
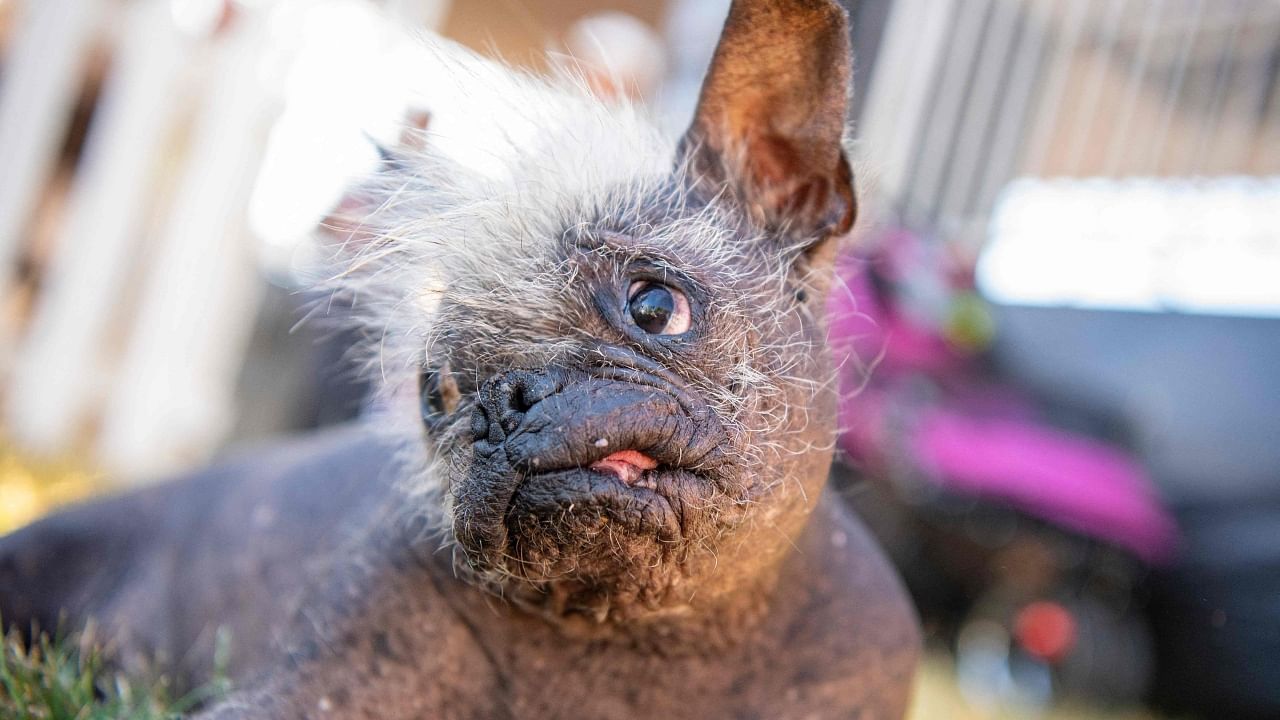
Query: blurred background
point(1059, 333)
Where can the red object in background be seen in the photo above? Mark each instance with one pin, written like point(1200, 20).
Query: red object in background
point(1046, 630)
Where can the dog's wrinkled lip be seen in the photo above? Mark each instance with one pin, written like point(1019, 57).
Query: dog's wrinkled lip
point(613, 442)
point(649, 482)
point(654, 506)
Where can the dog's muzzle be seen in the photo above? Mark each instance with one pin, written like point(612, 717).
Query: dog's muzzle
point(620, 443)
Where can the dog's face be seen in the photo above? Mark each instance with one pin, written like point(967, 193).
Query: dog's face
point(613, 443)
point(631, 405)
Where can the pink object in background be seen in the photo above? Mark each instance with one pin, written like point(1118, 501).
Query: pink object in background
point(964, 433)
point(1079, 483)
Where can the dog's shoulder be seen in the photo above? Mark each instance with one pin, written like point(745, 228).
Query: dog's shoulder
point(849, 638)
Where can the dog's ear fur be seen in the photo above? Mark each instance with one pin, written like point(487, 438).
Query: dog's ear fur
point(771, 117)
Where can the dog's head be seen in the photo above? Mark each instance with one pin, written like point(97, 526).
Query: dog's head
point(618, 340)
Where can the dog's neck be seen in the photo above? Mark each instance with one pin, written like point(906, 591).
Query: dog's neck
point(718, 613)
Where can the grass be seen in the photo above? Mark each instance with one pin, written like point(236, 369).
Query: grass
point(69, 678)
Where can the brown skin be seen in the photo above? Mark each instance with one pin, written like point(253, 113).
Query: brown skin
point(792, 664)
point(720, 582)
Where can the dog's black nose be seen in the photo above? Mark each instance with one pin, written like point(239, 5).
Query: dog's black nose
point(506, 397)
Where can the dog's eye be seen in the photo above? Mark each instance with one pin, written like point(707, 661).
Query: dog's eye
point(658, 309)
point(429, 397)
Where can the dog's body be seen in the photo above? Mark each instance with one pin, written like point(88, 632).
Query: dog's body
point(400, 637)
point(617, 509)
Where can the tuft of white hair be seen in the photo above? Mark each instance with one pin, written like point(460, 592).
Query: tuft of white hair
point(473, 206)
point(475, 210)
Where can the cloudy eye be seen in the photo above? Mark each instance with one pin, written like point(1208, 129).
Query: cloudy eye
point(431, 402)
point(658, 309)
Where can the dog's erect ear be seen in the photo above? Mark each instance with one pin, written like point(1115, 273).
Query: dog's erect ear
point(771, 116)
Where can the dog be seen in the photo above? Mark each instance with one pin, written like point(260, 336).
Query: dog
point(595, 487)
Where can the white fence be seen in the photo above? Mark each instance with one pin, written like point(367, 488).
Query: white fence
point(125, 328)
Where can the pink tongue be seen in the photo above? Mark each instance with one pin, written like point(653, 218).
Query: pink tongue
point(626, 464)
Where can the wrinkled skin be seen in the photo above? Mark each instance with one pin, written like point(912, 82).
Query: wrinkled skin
point(534, 516)
point(537, 433)
point(614, 521)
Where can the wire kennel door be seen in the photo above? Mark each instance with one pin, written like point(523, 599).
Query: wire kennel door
point(967, 95)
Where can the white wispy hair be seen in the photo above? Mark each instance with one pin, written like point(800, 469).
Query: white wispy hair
point(461, 232)
point(473, 207)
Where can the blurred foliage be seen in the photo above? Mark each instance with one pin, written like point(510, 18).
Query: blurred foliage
point(938, 697)
point(970, 325)
point(68, 678)
point(30, 488)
